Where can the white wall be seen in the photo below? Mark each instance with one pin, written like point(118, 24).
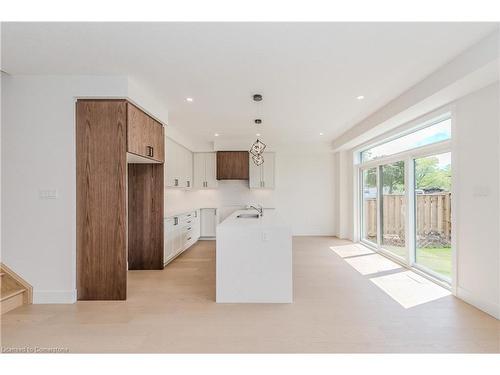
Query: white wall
point(476, 160)
point(38, 152)
point(304, 193)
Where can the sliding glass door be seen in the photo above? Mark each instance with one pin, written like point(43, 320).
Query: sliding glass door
point(433, 214)
point(405, 207)
point(369, 205)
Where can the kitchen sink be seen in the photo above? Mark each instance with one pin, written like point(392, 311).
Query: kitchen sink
point(248, 216)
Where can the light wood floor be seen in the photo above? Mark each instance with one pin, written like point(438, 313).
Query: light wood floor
point(336, 309)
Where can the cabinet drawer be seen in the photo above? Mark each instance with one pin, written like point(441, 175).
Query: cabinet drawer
point(187, 218)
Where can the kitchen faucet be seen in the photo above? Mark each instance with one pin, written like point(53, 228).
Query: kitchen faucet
point(259, 209)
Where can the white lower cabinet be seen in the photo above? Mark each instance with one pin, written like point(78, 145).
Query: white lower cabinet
point(181, 232)
point(208, 222)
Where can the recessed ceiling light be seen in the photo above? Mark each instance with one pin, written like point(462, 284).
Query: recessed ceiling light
point(360, 97)
point(320, 133)
point(189, 100)
point(258, 134)
point(216, 134)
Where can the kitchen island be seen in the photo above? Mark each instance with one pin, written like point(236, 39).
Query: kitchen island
point(254, 259)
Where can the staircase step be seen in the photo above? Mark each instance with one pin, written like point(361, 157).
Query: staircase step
point(11, 301)
point(2, 273)
point(11, 293)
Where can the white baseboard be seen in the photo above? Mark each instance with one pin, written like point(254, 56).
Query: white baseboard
point(488, 307)
point(54, 296)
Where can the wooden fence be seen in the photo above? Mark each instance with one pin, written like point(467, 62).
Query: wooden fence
point(433, 217)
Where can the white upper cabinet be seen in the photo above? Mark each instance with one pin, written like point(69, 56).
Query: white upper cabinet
point(171, 176)
point(188, 168)
point(199, 170)
point(205, 170)
point(262, 176)
point(255, 175)
point(178, 165)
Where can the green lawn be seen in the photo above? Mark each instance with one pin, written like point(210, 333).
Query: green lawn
point(436, 259)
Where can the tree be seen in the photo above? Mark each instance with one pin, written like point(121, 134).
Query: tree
point(393, 177)
point(428, 174)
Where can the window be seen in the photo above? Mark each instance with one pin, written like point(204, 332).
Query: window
point(405, 208)
point(423, 137)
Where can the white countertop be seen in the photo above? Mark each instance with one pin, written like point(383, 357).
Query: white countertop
point(170, 214)
point(268, 220)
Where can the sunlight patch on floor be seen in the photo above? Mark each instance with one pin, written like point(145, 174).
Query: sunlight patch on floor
point(351, 250)
point(410, 289)
point(373, 263)
point(404, 286)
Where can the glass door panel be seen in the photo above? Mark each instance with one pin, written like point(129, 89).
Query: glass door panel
point(369, 205)
point(393, 208)
point(433, 213)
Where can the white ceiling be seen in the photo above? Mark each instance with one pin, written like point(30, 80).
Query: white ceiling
point(309, 73)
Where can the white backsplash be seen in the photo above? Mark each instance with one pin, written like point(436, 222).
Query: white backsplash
point(228, 197)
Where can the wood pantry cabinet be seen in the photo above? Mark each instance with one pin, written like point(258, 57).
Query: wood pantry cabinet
point(119, 207)
point(232, 165)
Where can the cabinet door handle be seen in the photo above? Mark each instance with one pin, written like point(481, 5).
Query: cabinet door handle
point(149, 150)
point(188, 183)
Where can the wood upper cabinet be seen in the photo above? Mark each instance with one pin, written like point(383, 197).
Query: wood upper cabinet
point(232, 165)
point(145, 135)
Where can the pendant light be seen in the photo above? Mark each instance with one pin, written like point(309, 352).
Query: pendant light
point(257, 148)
